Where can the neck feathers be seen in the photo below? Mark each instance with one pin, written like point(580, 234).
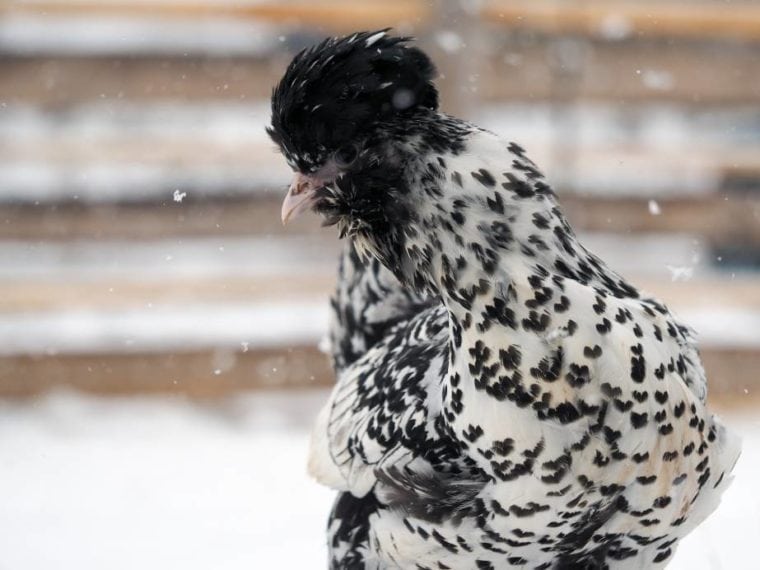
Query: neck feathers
point(484, 213)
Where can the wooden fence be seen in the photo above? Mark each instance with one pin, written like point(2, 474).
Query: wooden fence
point(621, 54)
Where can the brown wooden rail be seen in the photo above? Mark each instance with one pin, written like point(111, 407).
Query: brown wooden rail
point(593, 17)
point(336, 15)
point(734, 381)
point(18, 296)
point(652, 19)
point(623, 73)
point(722, 219)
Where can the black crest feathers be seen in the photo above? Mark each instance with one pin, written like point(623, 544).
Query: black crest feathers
point(332, 92)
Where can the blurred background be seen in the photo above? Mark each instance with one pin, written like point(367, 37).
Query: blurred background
point(159, 362)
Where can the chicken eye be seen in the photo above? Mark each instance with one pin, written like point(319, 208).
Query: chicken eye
point(346, 155)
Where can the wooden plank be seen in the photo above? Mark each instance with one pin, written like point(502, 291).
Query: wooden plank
point(733, 378)
point(739, 21)
point(593, 17)
point(507, 70)
point(200, 373)
point(106, 294)
point(37, 295)
point(720, 219)
point(636, 71)
point(178, 144)
point(217, 373)
point(55, 81)
point(741, 178)
point(717, 293)
point(335, 15)
point(148, 221)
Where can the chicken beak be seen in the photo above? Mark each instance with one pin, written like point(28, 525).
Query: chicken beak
point(299, 198)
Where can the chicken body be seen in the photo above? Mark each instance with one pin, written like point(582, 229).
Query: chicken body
point(541, 413)
point(503, 397)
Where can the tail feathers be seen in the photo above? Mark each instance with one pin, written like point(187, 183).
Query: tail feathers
point(348, 531)
point(726, 452)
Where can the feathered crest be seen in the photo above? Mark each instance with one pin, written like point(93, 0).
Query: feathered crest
point(334, 90)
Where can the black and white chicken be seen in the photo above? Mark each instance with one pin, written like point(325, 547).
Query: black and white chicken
point(503, 398)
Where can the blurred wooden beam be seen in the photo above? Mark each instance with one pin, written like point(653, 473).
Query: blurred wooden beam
point(40, 295)
point(505, 70)
point(593, 17)
point(56, 81)
point(198, 373)
point(43, 295)
point(618, 18)
point(334, 15)
point(230, 216)
point(720, 219)
point(622, 73)
point(733, 381)
point(732, 372)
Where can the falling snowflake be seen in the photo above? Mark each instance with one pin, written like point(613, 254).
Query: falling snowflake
point(654, 208)
point(657, 80)
point(179, 196)
point(449, 41)
point(615, 27)
point(680, 273)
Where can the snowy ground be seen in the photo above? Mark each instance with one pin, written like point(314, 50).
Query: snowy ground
point(165, 483)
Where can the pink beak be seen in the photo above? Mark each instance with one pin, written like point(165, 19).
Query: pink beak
point(300, 197)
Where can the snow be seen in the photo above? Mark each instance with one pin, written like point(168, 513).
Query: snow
point(127, 484)
point(124, 35)
point(449, 41)
point(680, 272)
point(160, 328)
point(167, 483)
point(261, 316)
point(148, 149)
point(287, 255)
point(402, 98)
point(615, 27)
point(143, 151)
point(728, 328)
point(657, 80)
point(633, 255)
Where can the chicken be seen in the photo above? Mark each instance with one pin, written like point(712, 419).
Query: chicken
point(503, 398)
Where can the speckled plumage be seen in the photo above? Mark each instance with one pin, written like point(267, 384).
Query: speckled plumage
point(504, 399)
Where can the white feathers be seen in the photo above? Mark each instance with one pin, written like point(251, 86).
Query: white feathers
point(373, 38)
point(542, 377)
point(320, 464)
